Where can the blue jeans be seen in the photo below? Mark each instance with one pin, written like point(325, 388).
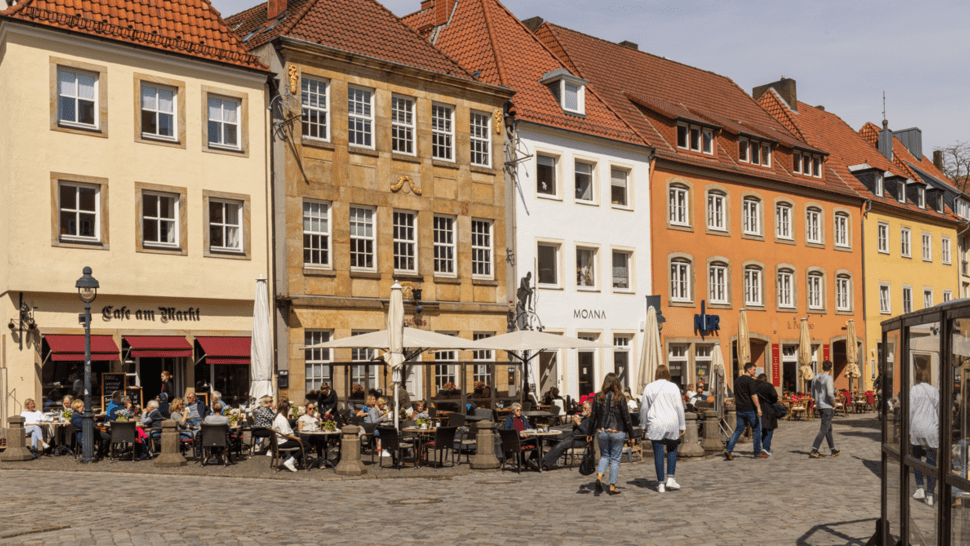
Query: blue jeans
point(36, 435)
point(670, 446)
point(746, 418)
point(766, 435)
point(919, 452)
point(611, 449)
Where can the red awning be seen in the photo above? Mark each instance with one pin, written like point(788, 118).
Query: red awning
point(226, 350)
point(159, 346)
point(71, 348)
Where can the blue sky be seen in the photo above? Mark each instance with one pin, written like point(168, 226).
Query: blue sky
point(843, 54)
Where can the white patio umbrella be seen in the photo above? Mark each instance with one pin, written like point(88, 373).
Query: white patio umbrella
point(414, 340)
point(395, 355)
point(650, 355)
point(851, 352)
point(805, 353)
point(261, 351)
point(717, 373)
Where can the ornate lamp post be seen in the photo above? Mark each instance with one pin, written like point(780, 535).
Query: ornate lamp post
point(87, 289)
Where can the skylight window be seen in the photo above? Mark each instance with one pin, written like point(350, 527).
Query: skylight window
point(569, 91)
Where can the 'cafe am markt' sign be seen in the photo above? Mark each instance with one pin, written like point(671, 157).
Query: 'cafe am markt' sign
point(163, 314)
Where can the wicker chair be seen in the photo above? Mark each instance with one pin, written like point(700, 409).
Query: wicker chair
point(123, 432)
point(391, 441)
point(275, 446)
point(444, 439)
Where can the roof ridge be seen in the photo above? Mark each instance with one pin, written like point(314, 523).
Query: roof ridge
point(401, 22)
point(502, 78)
point(786, 109)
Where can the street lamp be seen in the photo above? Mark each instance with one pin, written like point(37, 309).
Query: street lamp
point(87, 289)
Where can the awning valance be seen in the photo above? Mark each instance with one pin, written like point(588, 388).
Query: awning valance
point(226, 350)
point(159, 346)
point(71, 348)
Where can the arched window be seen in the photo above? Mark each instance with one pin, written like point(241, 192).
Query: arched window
point(843, 293)
point(815, 296)
point(678, 203)
point(786, 288)
point(680, 280)
point(717, 283)
point(813, 225)
point(842, 229)
point(783, 221)
point(753, 293)
point(716, 211)
point(751, 216)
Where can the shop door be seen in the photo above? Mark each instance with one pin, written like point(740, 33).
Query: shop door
point(839, 363)
point(586, 361)
point(548, 372)
point(149, 373)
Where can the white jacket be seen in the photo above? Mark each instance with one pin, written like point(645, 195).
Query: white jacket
point(662, 411)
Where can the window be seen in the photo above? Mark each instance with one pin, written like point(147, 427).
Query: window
point(548, 264)
point(677, 206)
point(621, 358)
point(316, 233)
point(481, 139)
point(77, 98)
point(904, 238)
point(717, 283)
point(884, 302)
point(927, 298)
point(619, 184)
point(751, 216)
point(80, 212)
point(880, 185)
point(841, 229)
point(786, 290)
point(695, 138)
point(809, 165)
point(442, 132)
point(963, 208)
point(947, 295)
point(402, 125)
point(816, 166)
point(907, 299)
point(444, 245)
point(752, 286)
point(921, 197)
point(362, 238)
point(317, 361)
point(815, 297)
point(702, 361)
point(783, 221)
point(481, 373)
point(365, 376)
point(813, 226)
point(945, 250)
point(743, 150)
point(482, 248)
point(569, 91)
point(754, 152)
point(716, 218)
point(225, 226)
point(571, 97)
point(677, 362)
point(444, 373)
point(223, 122)
point(843, 293)
point(680, 280)
point(405, 235)
point(901, 187)
point(883, 238)
point(927, 247)
point(316, 103)
point(160, 219)
point(360, 117)
point(158, 112)
point(584, 182)
point(546, 175)
point(621, 270)
point(586, 267)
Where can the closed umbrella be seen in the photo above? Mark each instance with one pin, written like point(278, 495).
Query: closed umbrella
point(805, 351)
point(650, 357)
point(395, 332)
point(851, 351)
point(717, 375)
point(261, 349)
point(744, 340)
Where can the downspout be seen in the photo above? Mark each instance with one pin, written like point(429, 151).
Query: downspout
point(867, 206)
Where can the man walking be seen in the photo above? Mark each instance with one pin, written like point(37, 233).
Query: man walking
point(823, 392)
point(749, 412)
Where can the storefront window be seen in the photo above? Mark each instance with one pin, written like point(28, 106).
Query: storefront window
point(960, 435)
point(677, 362)
point(702, 363)
point(923, 391)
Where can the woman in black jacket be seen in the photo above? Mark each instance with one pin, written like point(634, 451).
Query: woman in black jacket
point(611, 423)
point(769, 421)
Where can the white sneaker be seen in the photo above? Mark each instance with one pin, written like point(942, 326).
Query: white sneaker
point(919, 494)
point(929, 500)
point(45, 446)
point(672, 483)
point(269, 453)
point(290, 465)
point(385, 453)
point(660, 488)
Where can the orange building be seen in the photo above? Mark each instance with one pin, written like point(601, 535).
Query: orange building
point(744, 214)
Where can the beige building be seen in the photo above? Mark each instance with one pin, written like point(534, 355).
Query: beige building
point(141, 152)
point(387, 167)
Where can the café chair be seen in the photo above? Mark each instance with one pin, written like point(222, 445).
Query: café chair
point(123, 432)
point(444, 439)
point(456, 420)
point(275, 446)
point(391, 441)
point(512, 448)
point(213, 437)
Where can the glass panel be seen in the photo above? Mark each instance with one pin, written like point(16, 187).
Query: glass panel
point(584, 182)
point(548, 264)
point(165, 102)
point(87, 199)
point(166, 125)
point(232, 214)
point(214, 136)
point(892, 498)
point(150, 231)
point(924, 428)
point(891, 382)
point(148, 99)
point(148, 124)
point(66, 84)
point(85, 112)
point(85, 86)
point(67, 109)
point(922, 514)
point(215, 212)
point(960, 435)
point(215, 110)
point(572, 97)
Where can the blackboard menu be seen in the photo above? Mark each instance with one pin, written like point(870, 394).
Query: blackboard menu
point(111, 382)
point(136, 395)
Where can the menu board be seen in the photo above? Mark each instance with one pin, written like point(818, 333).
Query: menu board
point(135, 394)
point(111, 382)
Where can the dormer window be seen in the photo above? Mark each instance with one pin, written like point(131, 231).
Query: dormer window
point(695, 139)
point(963, 208)
point(754, 152)
point(902, 191)
point(880, 186)
point(807, 164)
point(570, 91)
point(921, 197)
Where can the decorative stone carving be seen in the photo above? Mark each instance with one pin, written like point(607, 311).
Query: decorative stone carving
point(294, 78)
point(497, 118)
point(409, 181)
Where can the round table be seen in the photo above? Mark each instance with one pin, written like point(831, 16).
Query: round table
point(326, 452)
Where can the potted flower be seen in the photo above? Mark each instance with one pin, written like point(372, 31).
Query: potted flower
point(423, 422)
point(357, 391)
point(329, 425)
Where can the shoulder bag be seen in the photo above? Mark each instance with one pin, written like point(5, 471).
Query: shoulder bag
point(588, 464)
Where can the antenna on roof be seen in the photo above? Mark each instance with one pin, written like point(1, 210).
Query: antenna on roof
point(884, 122)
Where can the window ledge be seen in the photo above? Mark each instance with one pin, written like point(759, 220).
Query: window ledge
point(786, 309)
point(886, 252)
point(409, 277)
point(365, 275)
point(484, 282)
point(846, 312)
point(587, 289)
point(908, 257)
point(624, 291)
point(550, 197)
point(781, 241)
point(92, 245)
point(753, 307)
point(483, 170)
point(753, 237)
point(672, 303)
point(549, 287)
point(235, 152)
point(362, 151)
point(317, 272)
point(723, 306)
point(80, 130)
point(677, 227)
point(445, 164)
point(226, 254)
point(586, 203)
point(447, 280)
point(405, 157)
point(316, 143)
point(814, 245)
point(170, 251)
point(843, 249)
point(617, 206)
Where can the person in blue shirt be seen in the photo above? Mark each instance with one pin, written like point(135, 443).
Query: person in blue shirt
point(114, 406)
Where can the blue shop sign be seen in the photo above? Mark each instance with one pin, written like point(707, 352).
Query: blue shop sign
point(705, 323)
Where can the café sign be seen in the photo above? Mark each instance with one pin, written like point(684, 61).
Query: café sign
point(162, 314)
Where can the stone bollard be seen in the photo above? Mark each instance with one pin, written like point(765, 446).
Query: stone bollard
point(712, 433)
point(16, 441)
point(484, 457)
point(350, 462)
point(170, 456)
point(732, 423)
point(690, 447)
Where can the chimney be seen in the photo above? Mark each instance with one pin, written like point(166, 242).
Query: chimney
point(629, 44)
point(274, 8)
point(533, 23)
point(912, 138)
point(886, 141)
point(820, 107)
point(938, 159)
point(785, 87)
point(442, 11)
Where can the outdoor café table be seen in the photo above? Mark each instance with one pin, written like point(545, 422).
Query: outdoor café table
point(326, 450)
point(540, 438)
point(472, 418)
point(424, 435)
point(537, 413)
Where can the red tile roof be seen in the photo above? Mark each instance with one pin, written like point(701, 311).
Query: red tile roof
point(364, 27)
point(484, 36)
point(186, 27)
point(652, 93)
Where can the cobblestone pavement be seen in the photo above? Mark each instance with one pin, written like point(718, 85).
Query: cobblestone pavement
point(788, 499)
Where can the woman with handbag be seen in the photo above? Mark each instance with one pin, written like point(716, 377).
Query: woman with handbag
point(769, 417)
point(662, 411)
point(611, 421)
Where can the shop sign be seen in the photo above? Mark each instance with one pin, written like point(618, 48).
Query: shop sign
point(589, 314)
point(704, 323)
point(414, 322)
point(775, 365)
point(163, 315)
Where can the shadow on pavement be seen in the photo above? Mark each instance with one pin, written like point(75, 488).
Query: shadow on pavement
point(874, 466)
point(827, 533)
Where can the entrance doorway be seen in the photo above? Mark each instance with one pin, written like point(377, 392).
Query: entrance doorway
point(548, 371)
point(586, 362)
point(789, 372)
point(148, 371)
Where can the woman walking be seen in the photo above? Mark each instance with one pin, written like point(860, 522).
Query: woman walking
point(769, 420)
point(924, 429)
point(612, 423)
point(662, 411)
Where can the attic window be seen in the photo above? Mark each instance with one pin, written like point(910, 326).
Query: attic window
point(807, 164)
point(569, 91)
point(880, 189)
point(694, 138)
point(250, 35)
point(754, 152)
point(921, 196)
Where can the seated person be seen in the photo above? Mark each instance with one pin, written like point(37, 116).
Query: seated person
point(66, 404)
point(114, 406)
point(152, 419)
point(365, 411)
point(418, 411)
point(310, 422)
point(281, 424)
point(180, 416)
point(702, 388)
point(327, 401)
point(263, 418)
point(195, 410)
point(633, 408)
point(552, 394)
point(380, 412)
point(217, 397)
point(216, 417)
point(696, 397)
point(164, 406)
point(580, 430)
point(53, 400)
point(101, 439)
point(33, 417)
point(519, 422)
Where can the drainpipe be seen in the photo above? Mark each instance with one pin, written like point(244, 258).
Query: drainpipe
point(867, 207)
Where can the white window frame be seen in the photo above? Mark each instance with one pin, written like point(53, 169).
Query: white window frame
point(755, 152)
point(785, 286)
point(365, 376)
point(158, 220)
point(921, 197)
point(945, 250)
point(369, 218)
point(360, 124)
point(927, 298)
point(815, 284)
point(442, 132)
point(557, 262)
point(784, 228)
point(445, 373)
point(880, 185)
point(225, 225)
point(797, 163)
point(680, 285)
point(594, 273)
point(77, 212)
point(554, 193)
point(678, 206)
point(316, 234)
point(445, 238)
point(751, 216)
point(907, 299)
point(947, 295)
point(480, 372)
point(403, 122)
point(843, 293)
point(592, 181)
point(841, 230)
point(718, 291)
point(927, 241)
point(315, 100)
point(885, 299)
point(698, 139)
point(882, 237)
point(480, 127)
point(716, 211)
point(220, 135)
point(404, 234)
point(905, 242)
point(317, 362)
point(753, 286)
point(483, 257)
point(629, 270)
point(158, 112)
point(626, 187)
point(813, 226)
point(76, 72)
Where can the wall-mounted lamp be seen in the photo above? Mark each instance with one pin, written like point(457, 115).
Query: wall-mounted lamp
point(415, 295)
point(26, 318)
